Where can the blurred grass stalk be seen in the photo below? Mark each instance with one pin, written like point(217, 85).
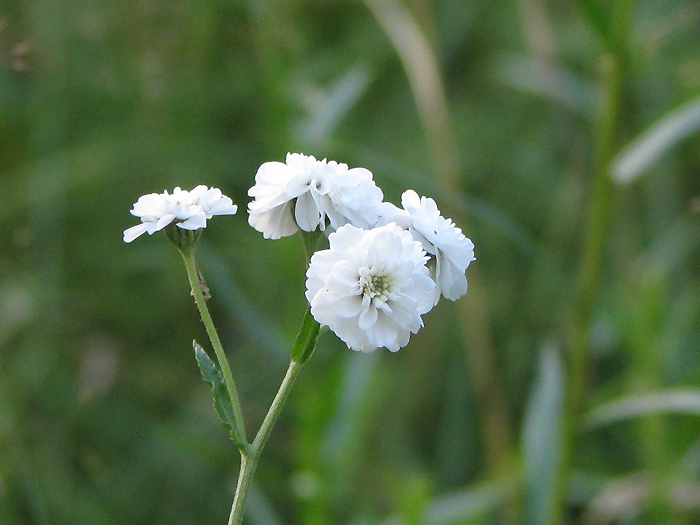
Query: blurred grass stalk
point(422, 69)
point(49, 136)
point(612, 26)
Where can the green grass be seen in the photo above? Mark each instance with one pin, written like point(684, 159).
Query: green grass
point(561, 136)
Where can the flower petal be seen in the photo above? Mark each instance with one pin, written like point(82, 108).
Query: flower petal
point(371, 287)
point(189, 208)
point(324, 192)
point(135, 231)
point(306, 213)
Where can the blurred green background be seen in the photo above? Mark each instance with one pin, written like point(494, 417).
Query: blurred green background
point(561, 136)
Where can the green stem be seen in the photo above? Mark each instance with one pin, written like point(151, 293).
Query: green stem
point(597, 228)
point(193, 277)
point(301, 352)
point(303, 348)
point(596, 235)
point(249, 459)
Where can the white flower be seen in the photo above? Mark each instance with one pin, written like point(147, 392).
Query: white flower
point(370, 287)
point(439, 236)
point(189, 210)
point(307, 193)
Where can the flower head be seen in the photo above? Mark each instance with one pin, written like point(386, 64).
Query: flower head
point(307, 193)
point(451, 250)
point(188, 210)
point(370, 287)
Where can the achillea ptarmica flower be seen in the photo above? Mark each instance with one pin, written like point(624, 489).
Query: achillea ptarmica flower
point(188, 210)
point(451, 250)
point(307, 193)
point(370, 287)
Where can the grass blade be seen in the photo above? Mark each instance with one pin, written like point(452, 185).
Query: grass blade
point(656, 141)
point(677, 401)
point(542, 437)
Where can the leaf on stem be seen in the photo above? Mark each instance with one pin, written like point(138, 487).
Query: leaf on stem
point(306, 340)
point(222, 402)
point(311, 241)
point(202, 283)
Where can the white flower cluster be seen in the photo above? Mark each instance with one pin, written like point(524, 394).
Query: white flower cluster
point(451, 251)
point(189, 210)
point(371, 286)
point(307, 193)
point(385, 267)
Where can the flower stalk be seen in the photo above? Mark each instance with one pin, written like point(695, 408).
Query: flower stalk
point(384, 268)
point(301, 352)
point(250, 457)
point(250, 452)
point(588, 283)
point(193, 276)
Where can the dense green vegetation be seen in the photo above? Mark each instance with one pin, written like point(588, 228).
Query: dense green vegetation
point(561, 136)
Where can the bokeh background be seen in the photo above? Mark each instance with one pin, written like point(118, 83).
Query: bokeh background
point(561, 136)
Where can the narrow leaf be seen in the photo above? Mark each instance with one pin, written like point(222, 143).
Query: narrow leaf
point(327, 108)
point(212, 375)
point(657, 140)
point(598, 18)
point(473, 504)
point(306, 340)
point(556, 84)
point(542, 437)
point(311, 241)
point(685, 401)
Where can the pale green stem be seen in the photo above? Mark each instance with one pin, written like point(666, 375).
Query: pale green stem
point(249, 459)
point(239, 427)
point(250, 453)
point(597, 228)
point(595, 238)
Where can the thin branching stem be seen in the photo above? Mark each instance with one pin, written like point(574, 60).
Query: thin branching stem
point(249, 459)
point(192, 275)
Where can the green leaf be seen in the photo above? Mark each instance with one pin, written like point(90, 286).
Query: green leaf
point(678, 401)
point(532, 75)
point(542, 437)
point(610, 21)
point(473, 504)
point(598, 18)
point(311, 241)
point(331, 105)
point(306, 340)
point(656, 141)
point(222, 402)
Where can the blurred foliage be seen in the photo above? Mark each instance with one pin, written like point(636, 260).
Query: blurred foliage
point(104, 418)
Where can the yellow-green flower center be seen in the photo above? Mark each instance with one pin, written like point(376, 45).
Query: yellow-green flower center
point(376, 285)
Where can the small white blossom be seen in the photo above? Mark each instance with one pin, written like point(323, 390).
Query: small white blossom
point(370, 287)
point(439, 236)
point(307, 193)
point(189, 210)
